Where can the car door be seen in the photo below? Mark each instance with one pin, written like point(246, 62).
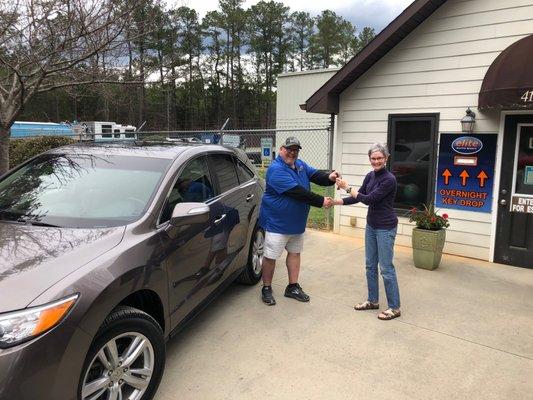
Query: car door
point(236, 220)
point(188, 250)
point(251, 192)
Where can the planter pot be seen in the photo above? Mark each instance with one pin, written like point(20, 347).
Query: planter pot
point(427, 247)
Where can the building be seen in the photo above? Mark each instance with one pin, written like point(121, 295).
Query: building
point(411, 87)
point(292, 90)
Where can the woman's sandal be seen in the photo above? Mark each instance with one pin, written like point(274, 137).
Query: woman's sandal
point(389, 314)
point(366, 305)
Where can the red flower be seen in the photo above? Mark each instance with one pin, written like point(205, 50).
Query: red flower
point(433, 219)
point(445, 216)
point(414, 209)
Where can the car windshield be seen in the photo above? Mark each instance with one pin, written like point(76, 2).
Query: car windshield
point(80, 190)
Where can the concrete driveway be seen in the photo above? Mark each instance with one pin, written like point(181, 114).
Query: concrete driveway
point(466, 332)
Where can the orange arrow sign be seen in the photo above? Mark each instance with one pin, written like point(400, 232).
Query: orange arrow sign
point(446, 174)
point(482, 176)
point(464, 175)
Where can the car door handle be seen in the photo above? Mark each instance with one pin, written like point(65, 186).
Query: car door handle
point(250, 197)
point(219, 219)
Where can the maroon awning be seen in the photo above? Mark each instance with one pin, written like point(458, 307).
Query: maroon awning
point(509, 81)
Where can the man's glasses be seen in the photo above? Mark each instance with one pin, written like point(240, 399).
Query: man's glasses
point(293, 150)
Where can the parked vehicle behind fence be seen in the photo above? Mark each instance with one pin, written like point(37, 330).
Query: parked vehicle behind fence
point(106, 250)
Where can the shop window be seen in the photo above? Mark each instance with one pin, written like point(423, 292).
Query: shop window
point(412, 143)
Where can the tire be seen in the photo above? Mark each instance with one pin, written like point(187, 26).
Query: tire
point(124, 328)
point(252, 272)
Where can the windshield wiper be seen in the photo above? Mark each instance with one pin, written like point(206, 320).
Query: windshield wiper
point(34, 220)
point(39, 223)
point(10, 215)
point(13, 216)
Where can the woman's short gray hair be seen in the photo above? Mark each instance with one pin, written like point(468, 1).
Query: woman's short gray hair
point(379, 147)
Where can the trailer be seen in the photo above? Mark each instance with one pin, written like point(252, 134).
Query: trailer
point(25, 129)
point(108, 130)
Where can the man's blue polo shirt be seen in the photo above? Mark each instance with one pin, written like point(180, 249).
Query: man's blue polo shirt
point(280, 213)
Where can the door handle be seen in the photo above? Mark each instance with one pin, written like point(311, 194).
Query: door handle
point(503, 202)
point(250, 197)
point(219, 219)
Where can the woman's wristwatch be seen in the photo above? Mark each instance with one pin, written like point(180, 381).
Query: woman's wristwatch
point(348, 189)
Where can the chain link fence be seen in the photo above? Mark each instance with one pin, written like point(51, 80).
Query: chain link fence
point(260, 145)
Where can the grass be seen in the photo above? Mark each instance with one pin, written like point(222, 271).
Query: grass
point(319, 218)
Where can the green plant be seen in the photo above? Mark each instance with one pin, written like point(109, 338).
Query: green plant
point(22, 149)
point(428, 218)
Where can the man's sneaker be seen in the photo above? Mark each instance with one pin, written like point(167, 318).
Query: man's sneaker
point(266, 295)
point(296, 292)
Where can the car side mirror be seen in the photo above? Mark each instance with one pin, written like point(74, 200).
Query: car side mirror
point(189, 213)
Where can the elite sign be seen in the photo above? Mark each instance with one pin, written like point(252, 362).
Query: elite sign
point(466, 171)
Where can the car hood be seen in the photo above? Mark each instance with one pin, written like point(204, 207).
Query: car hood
point(33, 258)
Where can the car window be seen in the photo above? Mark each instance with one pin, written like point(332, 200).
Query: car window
point(225, 172)
point(194, 184)
point(244, 172)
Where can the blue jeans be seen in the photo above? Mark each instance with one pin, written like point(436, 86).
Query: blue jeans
point(379, 247)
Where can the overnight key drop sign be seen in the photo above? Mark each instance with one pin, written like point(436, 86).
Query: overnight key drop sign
point(465, 173)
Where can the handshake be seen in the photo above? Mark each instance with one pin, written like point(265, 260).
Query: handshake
point(334, 176)
point(328, 202)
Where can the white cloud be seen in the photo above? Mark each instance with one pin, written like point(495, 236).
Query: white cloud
point(374, 13)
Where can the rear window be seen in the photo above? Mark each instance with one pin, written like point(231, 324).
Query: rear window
point(245, 174)
point(225, 172)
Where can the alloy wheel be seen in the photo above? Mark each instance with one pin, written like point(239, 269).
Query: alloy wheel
point(121, 369)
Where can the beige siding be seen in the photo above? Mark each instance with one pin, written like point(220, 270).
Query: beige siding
point(294, 89)
point(438, 68)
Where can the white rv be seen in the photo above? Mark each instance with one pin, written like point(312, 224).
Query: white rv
point(101, 130)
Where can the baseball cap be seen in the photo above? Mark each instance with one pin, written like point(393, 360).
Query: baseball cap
point(292, 141)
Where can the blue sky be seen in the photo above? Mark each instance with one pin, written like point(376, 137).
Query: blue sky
point(373, 13)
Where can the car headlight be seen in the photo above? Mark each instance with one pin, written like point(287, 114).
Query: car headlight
point(19, 326)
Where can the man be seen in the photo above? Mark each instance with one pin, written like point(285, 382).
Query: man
point(284, 212)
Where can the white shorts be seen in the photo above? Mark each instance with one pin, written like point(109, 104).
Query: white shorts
point(276, 242)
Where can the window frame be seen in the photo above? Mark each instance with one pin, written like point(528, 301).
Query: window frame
point(434, 135)
point(177, 175)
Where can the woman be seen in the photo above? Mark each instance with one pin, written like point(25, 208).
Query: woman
point(378, 191)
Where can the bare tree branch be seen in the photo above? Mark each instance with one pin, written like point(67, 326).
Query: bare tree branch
point(47, 88)
point(51, 44)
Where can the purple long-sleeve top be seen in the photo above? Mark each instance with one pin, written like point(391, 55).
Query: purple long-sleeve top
point(377, 192)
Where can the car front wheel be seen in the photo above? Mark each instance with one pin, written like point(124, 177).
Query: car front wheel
point(126, 360)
